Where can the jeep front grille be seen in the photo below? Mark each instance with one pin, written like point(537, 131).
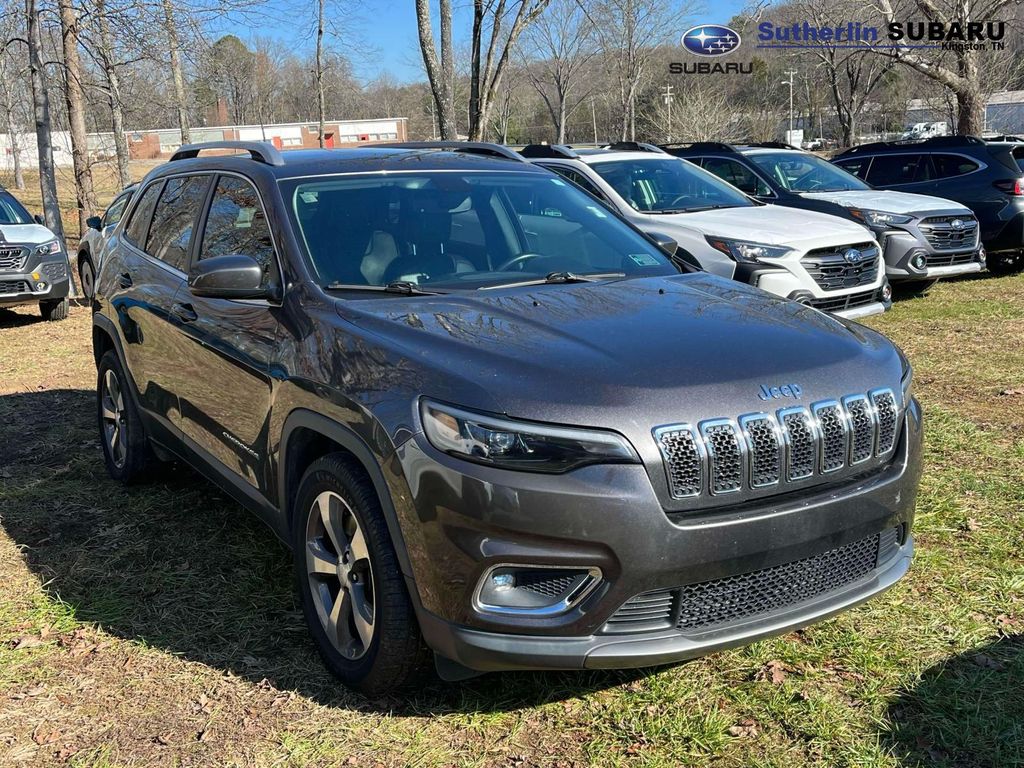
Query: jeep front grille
point(710, 605)
point(944, 234)
point(832, 270)
point(12, 259)
point(763, 451)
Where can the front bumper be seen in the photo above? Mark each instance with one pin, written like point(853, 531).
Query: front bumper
point(789, 278)
point(462, 520)
point(39, 278)
point(902, 248)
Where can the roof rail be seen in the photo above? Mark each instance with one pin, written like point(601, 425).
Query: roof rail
point(934, 141)
point(700, 146)
point(633, 146)
point(549, 150)
point(771, 145)
point(260, 151)
point(1006, 137)
point(469, 147)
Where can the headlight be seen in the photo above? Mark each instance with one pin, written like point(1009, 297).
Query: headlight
point(47, 248)
point(520, 445)
point(880, 218)
point(749, 253)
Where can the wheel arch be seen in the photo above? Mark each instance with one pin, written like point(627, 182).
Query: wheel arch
point(308, 436)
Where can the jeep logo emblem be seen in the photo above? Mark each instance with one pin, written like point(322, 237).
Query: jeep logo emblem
point(777, 393)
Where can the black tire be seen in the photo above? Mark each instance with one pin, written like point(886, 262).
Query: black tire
point(1005, 263)
point(913, 287)
point(132, 463)
point(396, 654)
point(86, 276)
point(54, 310)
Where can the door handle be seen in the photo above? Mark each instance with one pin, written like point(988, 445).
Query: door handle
point(125, 280)
point(184, 312)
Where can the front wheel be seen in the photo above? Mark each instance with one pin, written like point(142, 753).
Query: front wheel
point(87, 277)
point(913, 287)
point(1005, 263)
point(54, 310)
point(351, 586)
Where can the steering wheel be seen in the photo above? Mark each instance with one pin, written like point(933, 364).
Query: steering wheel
point(677, 200)
point(522, 258)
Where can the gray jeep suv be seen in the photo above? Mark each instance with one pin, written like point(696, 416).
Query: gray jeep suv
point(493, 420)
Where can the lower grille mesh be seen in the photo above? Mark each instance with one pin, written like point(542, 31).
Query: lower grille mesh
point(13, 286)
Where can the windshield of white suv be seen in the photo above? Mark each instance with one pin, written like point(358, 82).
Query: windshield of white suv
point(804, 172)
point(13, 212)
point(414, 232)
point(653, 185)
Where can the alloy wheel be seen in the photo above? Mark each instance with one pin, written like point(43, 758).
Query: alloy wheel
point(114, 418)
point(340, 576)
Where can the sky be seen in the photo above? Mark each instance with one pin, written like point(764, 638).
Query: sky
point(384, 32)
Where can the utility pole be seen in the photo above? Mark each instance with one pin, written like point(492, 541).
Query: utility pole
point(791, 73)
point(593, 117)
point(669, 98)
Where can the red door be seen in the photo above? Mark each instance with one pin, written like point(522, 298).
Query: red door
point(329, 140)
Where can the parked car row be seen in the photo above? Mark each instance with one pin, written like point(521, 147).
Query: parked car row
point(496, 422)
point(33, 262)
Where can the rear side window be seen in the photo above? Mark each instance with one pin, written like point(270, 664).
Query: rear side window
point(135, 232)
point(858, 166)
point(236, 224)
point(116, 210)
point(577, 178)
point(887, 170)
point(952, 165)
point(736, 174)
point(170, 234)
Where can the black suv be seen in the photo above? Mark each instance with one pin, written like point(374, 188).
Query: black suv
point(492, 419)
point(985, 176)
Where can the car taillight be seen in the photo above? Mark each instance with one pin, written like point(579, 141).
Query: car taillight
point(1011, 186)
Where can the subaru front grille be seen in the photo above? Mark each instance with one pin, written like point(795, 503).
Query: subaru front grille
point(769, 452)
point(847, 267)
point(948, 233)
point(12, 259)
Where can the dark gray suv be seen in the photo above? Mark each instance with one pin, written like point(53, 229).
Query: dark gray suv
point(493, 420)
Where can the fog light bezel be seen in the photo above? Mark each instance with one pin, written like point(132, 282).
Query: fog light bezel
point(592, 577)
point(912, 261)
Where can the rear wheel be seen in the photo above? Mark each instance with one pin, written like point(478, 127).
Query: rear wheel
point(87, 276)
point(125, 449)
point(1005, 263)
point(54, 309)
point(913, 287)
point(353, 593)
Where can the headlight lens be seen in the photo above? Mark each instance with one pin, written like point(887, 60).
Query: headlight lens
point(880, 218)
point(520, 445)
point(749, 253)
point(47, 248)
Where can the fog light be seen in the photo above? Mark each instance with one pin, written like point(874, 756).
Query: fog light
point(40, 286)
point(919, 262)
point(534, 590)
point(982, 256)
point(886, 292)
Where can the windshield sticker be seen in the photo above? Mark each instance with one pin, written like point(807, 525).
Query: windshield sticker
point(644, 260)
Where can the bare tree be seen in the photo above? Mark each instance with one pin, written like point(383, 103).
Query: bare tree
point(560, 44)
point(84, 192)
point(440, 66)
point(177, 74)
point(109, 65)
point(320, 70)
point(702, 112)
point(967, 77)
point(11, 75)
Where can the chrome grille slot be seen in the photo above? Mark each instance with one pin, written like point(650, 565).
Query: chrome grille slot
point(12, 259)
point(834, 435)
point(801, 442)
point(943, 234)
point(764, 449)
point(862, 424)
point(761, 453)
point(887, 413)
point(683, 455)
point(832, 270)
point(13, 286)
point(725, 455)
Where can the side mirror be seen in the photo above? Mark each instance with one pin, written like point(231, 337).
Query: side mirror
point(663, 241)
point(235, 276)
point(38, 219)
point(94, 222)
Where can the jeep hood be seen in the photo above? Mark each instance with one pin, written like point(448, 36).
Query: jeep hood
point(890, 202)
point(627, 355)
point(25, 234)
point(768, 224)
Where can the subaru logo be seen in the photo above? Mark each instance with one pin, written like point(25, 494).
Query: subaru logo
point(852, 255)
point(957, 224)
point(710, 40)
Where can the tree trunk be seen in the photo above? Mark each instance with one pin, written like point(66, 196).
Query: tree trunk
point(12, 131)
point(440, 71)
point(970, 117)
point(114, 89)
point(41, 114)
point(562, 117)
point(177, 75)
point(84, 192)
point(320, 71)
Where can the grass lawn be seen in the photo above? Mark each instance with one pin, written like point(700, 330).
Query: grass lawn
point(156, 625)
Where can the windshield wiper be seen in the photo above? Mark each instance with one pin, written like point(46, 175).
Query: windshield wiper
point(559, 277)
point(402, 287)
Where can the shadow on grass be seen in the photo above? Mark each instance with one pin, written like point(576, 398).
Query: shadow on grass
point(966, 711)
point(176, 565)
point(9, 319)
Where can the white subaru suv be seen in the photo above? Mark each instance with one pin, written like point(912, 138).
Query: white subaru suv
point(824, 261)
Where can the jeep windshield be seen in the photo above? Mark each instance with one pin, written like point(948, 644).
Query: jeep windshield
point(670, 185)
point(427, 232)
point(800, 172)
